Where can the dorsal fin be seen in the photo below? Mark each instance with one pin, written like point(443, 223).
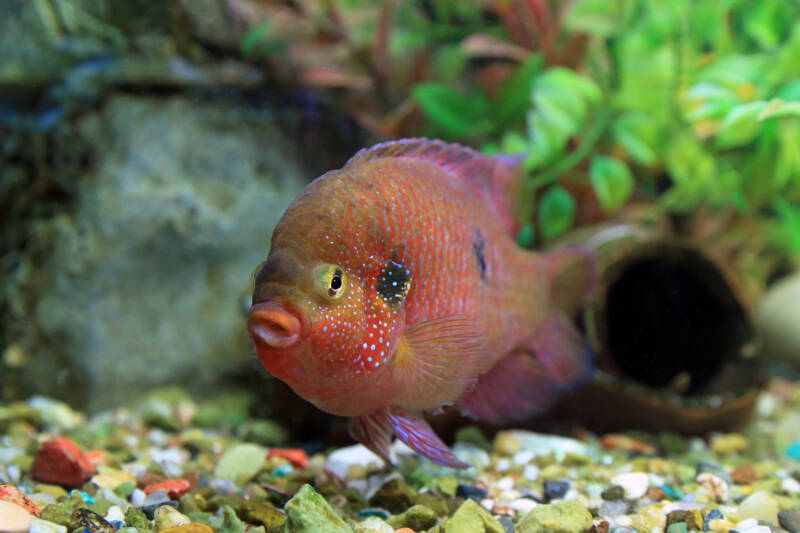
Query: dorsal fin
point(495, 178)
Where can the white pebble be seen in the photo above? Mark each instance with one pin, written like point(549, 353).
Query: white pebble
point(505, 483)
point(43, 526)
point(633, 483)
point(523, 457)
point(756, 529)
point(373, 524)
point(340, 461)
point(137, 497)
point(487, 503)
point(747, 524)
point(114, 513)
point(522, 505)
point(531, 472)
point(13, 473)
point(503, 464)
point(790, 486)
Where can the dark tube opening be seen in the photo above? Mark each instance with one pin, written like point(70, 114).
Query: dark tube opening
point(671, 319)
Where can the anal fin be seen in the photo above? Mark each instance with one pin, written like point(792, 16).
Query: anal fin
point(375, 432)
point(528, 382)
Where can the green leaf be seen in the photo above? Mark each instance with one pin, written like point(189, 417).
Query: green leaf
point(611, 180)
point(527, 236)
point(597, 17)
point(512, 99)
point(456, 114)
point(513, 143)
point(634, 132)
point(741, 125)
point(556, 212)
point(254, 38)
point(779, 108)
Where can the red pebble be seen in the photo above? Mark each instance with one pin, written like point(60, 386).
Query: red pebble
point(59, 461)
point(175, 487)
point(296, 456)
point(10, 493)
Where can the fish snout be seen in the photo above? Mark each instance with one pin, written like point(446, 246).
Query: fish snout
point(270, 324)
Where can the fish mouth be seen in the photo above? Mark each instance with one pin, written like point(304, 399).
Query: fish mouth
point(272, 325)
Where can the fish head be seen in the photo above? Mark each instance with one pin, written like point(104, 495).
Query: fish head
point(316, 320)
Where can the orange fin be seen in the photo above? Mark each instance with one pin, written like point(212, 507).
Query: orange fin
point(496, 178)
point(525, 383)
point(573, 274)
point(437, 360)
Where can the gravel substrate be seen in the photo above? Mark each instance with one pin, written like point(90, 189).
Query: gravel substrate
point(173, 464)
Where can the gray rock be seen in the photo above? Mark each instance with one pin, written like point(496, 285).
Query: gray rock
point(147, 282)
point(789, 520)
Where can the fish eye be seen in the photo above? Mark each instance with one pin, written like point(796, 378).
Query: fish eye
point(332, 282)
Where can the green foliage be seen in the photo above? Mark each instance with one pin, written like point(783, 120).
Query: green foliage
point(690, 105)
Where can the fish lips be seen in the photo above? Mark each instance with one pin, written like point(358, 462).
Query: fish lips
point(272, 325)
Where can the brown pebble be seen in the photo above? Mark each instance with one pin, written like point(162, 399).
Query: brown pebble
point(149, 478)
point(600, 527)
point(654, 493)
point(694, 520)
point(744, 475)
point(675, 517)
point(194, 527)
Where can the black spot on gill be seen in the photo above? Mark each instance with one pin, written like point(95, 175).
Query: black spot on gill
point(393, 283)
point(479, 248)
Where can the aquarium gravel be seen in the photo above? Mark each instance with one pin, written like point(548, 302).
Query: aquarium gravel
point(170, 463)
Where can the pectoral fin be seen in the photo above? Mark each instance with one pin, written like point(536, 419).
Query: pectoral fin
point(374, 431)
point(437, 360)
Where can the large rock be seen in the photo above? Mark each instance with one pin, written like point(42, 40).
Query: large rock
point(146, 279)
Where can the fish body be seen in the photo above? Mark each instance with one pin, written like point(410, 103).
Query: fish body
point(393, 286)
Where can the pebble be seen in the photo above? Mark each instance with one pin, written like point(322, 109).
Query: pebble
point(113, 479)
point(295, 456)
point(43, 526)
point(89, 520)
point(544, 444)
point(713, 468)
point(523, 505)
point(308, 512)
point(613, 508)
point(789, 520)
point(728, 444)
point(240, 463)
point(373, 524)
point(12, 494)
point(150, 509)
point(166, 517)
point(472, 518)
point(614, 492)
point(340, 461)
point(417, 517)
point(175, 488)
point(790, 486)
point(554, 489)
point(715, 487)
point(744, 475)
point(759, 506)
point(634, 484)
point(262, 513)
point(13, 518)
point(59, 461)
point(193, 527)
point(473, 493)
point(562, 517)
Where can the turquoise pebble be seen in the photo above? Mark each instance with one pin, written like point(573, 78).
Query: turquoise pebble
point(366, 513)
point(673, 493)
point(794, 451)
point(282, 471)
point(85, 497)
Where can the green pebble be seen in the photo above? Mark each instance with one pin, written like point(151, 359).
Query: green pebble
point(612, 493)
point(472, 518)
point(136, 518)
point(562, 517)
point(200, 516)
point(218, 502)
point(56, 514)
point(230, 522)
point(240, 463)
point(418, 517)
point(431, 501)
point(447, 486)
point(473, 435)
point(24, 462)
point(53, 490)
point(124, 490)
point(676, 516)
point(394, 496)
point(677, 527)
point(308, 512)
point(265, 514)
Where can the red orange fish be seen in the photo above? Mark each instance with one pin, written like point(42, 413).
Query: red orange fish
point(393, 286)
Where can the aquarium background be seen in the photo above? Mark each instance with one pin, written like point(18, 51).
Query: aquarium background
point(148, 148)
